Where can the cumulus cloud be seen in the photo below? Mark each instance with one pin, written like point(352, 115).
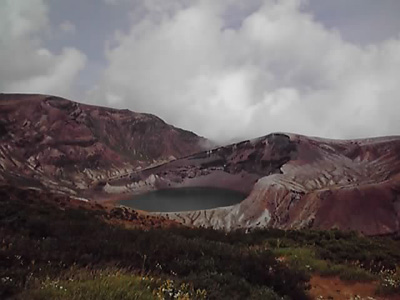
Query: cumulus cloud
point(228, 69)
point(26, 65)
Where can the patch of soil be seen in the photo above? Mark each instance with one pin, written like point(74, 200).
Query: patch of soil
point(336, 289)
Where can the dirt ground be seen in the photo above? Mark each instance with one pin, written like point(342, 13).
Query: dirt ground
point(335, 289)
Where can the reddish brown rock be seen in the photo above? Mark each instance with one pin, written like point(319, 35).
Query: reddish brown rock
point(51, 141)
point(300, 182)
point(292, 181)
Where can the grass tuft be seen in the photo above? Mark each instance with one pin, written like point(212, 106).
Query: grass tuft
point(124, 287)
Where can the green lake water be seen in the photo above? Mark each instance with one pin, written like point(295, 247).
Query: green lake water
point(184, 199)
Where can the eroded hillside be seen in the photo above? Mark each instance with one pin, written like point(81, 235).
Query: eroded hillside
point(293, 181)
point(67, 146)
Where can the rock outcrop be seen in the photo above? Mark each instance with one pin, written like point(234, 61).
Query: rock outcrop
point(295, 181)
point(292, 181)
point(57, 144)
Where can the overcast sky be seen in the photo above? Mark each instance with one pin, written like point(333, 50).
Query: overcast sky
point(227, 69)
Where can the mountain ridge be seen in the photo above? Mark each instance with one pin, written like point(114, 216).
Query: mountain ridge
point(307, 183)
point(50, 137)
point(291, 181)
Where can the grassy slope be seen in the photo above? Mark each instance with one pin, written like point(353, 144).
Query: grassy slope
point(44, 247)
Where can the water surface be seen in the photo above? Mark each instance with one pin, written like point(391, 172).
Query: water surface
point(184, 199)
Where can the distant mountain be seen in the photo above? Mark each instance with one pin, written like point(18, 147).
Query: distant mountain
point(294, 181)
point(51, 142)
point(291, 181)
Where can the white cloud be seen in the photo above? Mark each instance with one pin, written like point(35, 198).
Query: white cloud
point(68, 27)
point(56, 80)
point(274, 69)
point(26, 65)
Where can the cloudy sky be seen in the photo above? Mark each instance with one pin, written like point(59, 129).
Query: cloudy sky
point(227, 69)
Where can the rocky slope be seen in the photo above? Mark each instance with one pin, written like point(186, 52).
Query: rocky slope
point(293, 181)
point(51, 142)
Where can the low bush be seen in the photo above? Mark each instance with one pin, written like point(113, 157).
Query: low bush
point(49, 241)
point(122, 287)
point(40, 242)
point(389, 284)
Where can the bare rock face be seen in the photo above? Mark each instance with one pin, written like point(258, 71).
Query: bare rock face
point(292, 181)
point(295, 181)
point(68, 146)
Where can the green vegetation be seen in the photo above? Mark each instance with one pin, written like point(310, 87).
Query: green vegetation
point(44, 248)
point(390, 283)
point(122, 287)
point(305, 259)
point(41, 242)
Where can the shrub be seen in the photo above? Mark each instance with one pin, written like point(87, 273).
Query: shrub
point(102, 288)
point(40, 241)
point(206, 259)
point(389, 284)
